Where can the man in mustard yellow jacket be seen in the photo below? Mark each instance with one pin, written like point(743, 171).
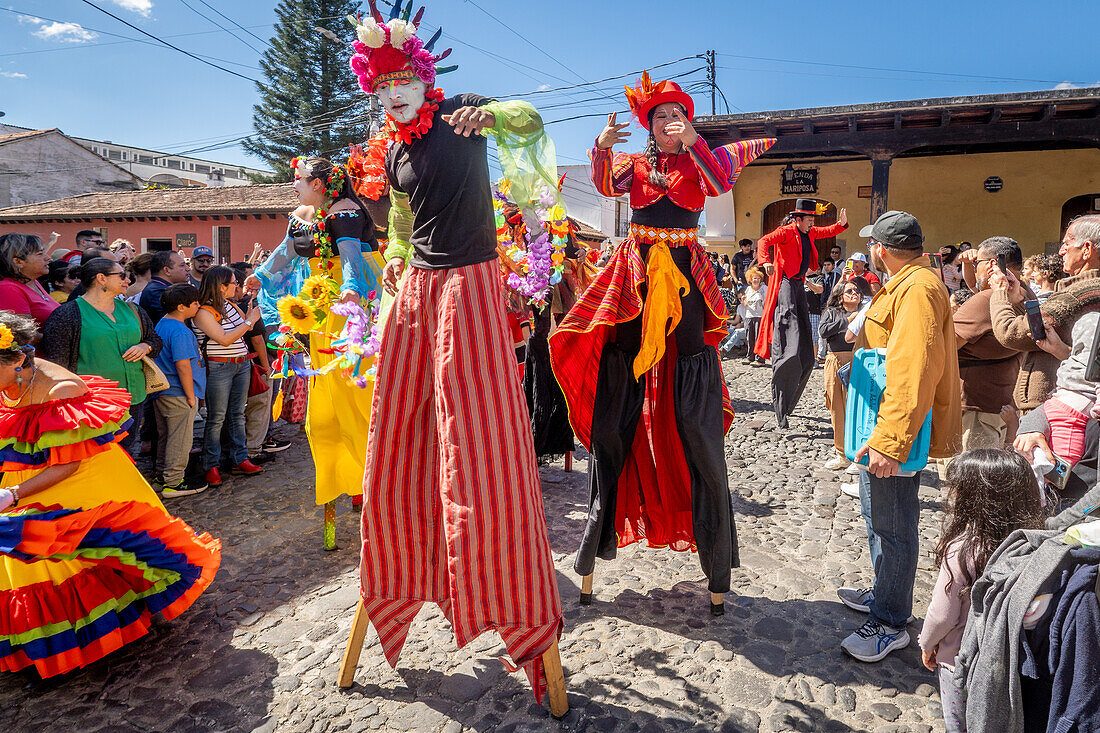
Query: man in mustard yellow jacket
point(911, 318)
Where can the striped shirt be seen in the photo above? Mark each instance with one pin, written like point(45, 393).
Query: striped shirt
point(231, 321)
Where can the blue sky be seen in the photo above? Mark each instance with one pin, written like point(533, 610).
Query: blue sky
point(78, 72)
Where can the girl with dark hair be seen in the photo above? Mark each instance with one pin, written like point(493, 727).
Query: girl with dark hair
point(89, 553)
point(60, 280)
point(991, 494)
point(220, 327)
point(952, 273)
point(140, 269)
point(642, 338)
point(331, 246)
point(97, 333)
point(843, 305)
point(23, 260)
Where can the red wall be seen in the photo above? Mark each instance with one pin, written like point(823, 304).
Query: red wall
point(244, 233)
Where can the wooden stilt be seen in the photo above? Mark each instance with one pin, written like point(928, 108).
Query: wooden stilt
point(354, 647)
point(569, 461)
point(586, 589)
point(555, 681)
point(717, 605)
point(330, 526)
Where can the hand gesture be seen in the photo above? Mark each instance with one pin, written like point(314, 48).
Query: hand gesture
point(1026, 443)
point(470, 120)
point(135, 352)
point(391, 274)
point(253, 314)
point(349, 296)
point(842, 219)
point(252, 284)
point(681, 129)
point(613, 134)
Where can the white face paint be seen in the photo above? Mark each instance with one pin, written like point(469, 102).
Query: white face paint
point(402, 98)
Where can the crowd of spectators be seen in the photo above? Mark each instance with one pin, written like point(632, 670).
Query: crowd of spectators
point(108, 311)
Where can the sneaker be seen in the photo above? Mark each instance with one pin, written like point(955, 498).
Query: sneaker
point(857, 599)
point(852, 469)
point(247, 467)
point(836, 463)
point(261, 458)
point(873, 641)
point(182, 489)
point(276, 446)
point(851, 490)
point(213, 477)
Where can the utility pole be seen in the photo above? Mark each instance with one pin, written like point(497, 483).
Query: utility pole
point(712, 77)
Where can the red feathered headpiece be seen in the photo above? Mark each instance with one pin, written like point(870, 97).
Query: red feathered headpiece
point(646, 95)
point(390, 49)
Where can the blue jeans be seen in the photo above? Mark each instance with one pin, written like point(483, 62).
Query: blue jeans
point(226, 395)
point(137, 413)
point(891, 509)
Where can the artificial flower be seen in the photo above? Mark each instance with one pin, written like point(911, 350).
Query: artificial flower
point(400, 31)
point(7, 338)
point(297, 314)
point(317, 290)
point(371, 33)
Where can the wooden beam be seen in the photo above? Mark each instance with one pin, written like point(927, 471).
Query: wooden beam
point(880, 186)
point(770, 130)
point(1048, 113)
point(945, 118)
point(897, 120)
point(853, 124)
point(808, 127)
point(995, 116)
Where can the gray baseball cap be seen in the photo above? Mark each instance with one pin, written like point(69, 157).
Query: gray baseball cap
point(895, 229)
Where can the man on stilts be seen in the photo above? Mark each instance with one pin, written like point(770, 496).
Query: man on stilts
point(452, 508)
point(787, 254)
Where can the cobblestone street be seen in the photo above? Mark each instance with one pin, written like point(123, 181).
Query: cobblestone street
point(260, 650)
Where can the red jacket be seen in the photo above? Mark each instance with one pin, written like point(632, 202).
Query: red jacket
point(783, 248)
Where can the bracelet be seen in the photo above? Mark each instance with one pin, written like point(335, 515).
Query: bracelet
point(15, 492)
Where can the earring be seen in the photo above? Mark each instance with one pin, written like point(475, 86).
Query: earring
point(18, 375)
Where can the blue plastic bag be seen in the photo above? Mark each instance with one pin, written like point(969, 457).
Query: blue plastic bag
point(865, 388)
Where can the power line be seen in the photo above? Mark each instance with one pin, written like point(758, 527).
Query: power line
point(169, 45)
point(599, 81)
point(238, 25)
point(525, 39)
point(207, 18)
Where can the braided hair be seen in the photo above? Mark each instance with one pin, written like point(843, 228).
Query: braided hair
point(656, 177)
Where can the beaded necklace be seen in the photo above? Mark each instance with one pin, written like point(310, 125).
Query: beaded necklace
point(332, 188)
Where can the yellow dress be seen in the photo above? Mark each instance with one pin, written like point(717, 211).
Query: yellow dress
point(85, 563)
point(338, 412)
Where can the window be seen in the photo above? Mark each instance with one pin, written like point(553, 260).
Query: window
point(114, 155)
point(175, 164)
point(146, 159)
point(200, 168)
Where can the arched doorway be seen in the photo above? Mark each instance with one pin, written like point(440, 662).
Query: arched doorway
point(776, 210)
point(1078, 206)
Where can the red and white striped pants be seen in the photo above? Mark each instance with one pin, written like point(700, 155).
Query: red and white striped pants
point(452, 503)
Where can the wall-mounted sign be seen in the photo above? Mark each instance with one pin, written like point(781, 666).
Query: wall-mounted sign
point(863, 192)
point(798, 180)
point(993, 184)
point(186, 240)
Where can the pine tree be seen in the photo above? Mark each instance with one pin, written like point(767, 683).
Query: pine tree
point(311, 103)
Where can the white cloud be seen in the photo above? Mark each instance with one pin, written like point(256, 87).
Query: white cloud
point(141, 7)
point(66, 32)
point(1066, 85)
point(543, 87)
point(12, 75)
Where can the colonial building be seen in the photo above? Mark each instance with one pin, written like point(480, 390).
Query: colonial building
point(968, 168)
point(38, 165)
point(164, 169)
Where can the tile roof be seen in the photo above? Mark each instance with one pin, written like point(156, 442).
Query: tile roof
point(14, 136)
point(277, 198)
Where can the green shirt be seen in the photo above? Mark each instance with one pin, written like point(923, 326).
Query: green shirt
point(103, 342)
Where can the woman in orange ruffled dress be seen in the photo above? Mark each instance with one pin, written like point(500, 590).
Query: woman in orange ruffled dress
point(87, 551)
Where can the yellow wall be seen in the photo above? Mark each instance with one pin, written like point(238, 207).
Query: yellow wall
point(945, 193)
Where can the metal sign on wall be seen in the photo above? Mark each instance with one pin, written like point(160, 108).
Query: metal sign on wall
point(993, 184)
point(186, 240)
point(798, 180)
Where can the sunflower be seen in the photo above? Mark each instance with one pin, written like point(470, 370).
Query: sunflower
point(317, 290)
point(297, 314)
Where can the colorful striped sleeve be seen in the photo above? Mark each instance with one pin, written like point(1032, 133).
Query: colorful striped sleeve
point(720, 168)
point(613, 173)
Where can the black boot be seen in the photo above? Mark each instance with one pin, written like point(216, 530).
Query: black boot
point(698, 401)
point(618, 405)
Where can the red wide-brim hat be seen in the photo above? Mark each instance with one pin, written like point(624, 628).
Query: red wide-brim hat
point(646, 95)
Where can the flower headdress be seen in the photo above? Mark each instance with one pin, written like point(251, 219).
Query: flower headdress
point(7, 339)
point(390, 49)
point(646, 95)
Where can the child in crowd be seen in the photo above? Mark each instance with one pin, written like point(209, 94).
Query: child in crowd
point(753, 299)
point(182, 363)
point(991, 493)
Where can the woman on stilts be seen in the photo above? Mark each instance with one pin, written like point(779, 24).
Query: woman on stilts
point(328, 264)
point(642, 341)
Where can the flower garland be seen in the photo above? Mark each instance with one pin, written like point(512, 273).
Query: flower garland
point(333, 186)
point(534, 261)
point(419, 126)
point(368, 168)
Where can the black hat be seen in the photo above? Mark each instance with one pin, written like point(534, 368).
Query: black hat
point(895, 229)
point(805, 206)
